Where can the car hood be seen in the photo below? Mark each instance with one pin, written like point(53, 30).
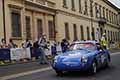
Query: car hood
point(74, 53)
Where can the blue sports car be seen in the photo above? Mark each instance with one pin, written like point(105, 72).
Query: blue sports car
point(82, 56)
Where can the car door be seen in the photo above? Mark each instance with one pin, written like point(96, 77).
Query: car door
point(99, 57)
point(103, 57)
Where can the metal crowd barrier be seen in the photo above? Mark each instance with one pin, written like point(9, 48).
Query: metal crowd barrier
point(18, 54)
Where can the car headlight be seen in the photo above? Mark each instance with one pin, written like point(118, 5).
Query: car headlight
point(84, 59)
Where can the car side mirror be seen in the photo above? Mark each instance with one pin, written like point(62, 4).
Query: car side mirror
point(99, 49)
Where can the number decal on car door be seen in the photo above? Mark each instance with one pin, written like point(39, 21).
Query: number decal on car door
point(102, 58)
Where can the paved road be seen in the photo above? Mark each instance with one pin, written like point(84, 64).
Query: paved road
point(18, 68)
point(112, 73)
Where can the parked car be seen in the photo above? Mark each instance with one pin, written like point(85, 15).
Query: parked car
point(82, 56)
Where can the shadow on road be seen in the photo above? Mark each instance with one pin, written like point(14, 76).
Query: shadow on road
point(100, 73)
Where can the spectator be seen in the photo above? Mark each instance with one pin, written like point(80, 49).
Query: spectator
point(3, 44)
point(58, 47)
point(64, 45)
point(11, 44)
point(48, 49)
point(36, 50)
point(27, 44)
point(53, 48)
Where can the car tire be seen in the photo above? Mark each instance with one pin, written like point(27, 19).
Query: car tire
point(59, 73)
point(93, 68)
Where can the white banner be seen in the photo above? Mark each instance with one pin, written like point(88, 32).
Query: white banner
point(48, 52)
point(20, 53)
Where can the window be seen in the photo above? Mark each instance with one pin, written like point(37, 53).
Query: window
point(67, 31)
point(80, 8)
point(16, 24)
point(116, 36)
point(82, 32)
point(28, 27)
point(75, 31)
point(101, 31)
point(105, 33)
point(40, 2)
point(96, 10)
point(100, 11)
point(116, 18)
point(93, 33)
point(73, 5)
point(108, 36)
point(51, 30)
point(86, 8)
point(111, 35)
point(88, 33)
point(119, 35)
point(110, 16)
point(39, 27)
point(107, 14)
point(64, 3)
point(104, 12)
point(91, 8)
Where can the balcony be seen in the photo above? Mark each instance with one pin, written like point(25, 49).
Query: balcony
point(102, 20)
point(44, 3)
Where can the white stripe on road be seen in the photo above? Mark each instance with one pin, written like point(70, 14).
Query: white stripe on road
point(35, 71)
point(25, 73)
point(113, 54)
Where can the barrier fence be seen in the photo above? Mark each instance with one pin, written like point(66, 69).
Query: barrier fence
point(18, 54)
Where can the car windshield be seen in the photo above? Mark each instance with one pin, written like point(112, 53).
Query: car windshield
point(82, 46)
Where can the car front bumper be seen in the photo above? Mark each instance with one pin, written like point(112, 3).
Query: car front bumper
point(70, 66)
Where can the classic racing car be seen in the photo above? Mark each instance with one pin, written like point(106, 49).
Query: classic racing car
point(82, 56)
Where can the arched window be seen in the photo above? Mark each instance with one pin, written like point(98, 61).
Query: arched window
point(88, 33)
point(82, 32)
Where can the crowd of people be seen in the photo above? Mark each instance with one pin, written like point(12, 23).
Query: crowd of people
point(42, 46)
point(11, 44)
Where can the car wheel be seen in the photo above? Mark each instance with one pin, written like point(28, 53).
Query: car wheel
point(59, 73)
point(93, 69)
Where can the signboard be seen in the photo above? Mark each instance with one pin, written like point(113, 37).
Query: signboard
point(20, 53)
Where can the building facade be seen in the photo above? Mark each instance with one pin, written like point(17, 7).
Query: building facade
point(27, 19)
point(87, 19)
point(58, 19)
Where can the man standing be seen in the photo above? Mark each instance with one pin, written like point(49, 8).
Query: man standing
point(64, 45)
point(103, 41)
point(42, 46)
